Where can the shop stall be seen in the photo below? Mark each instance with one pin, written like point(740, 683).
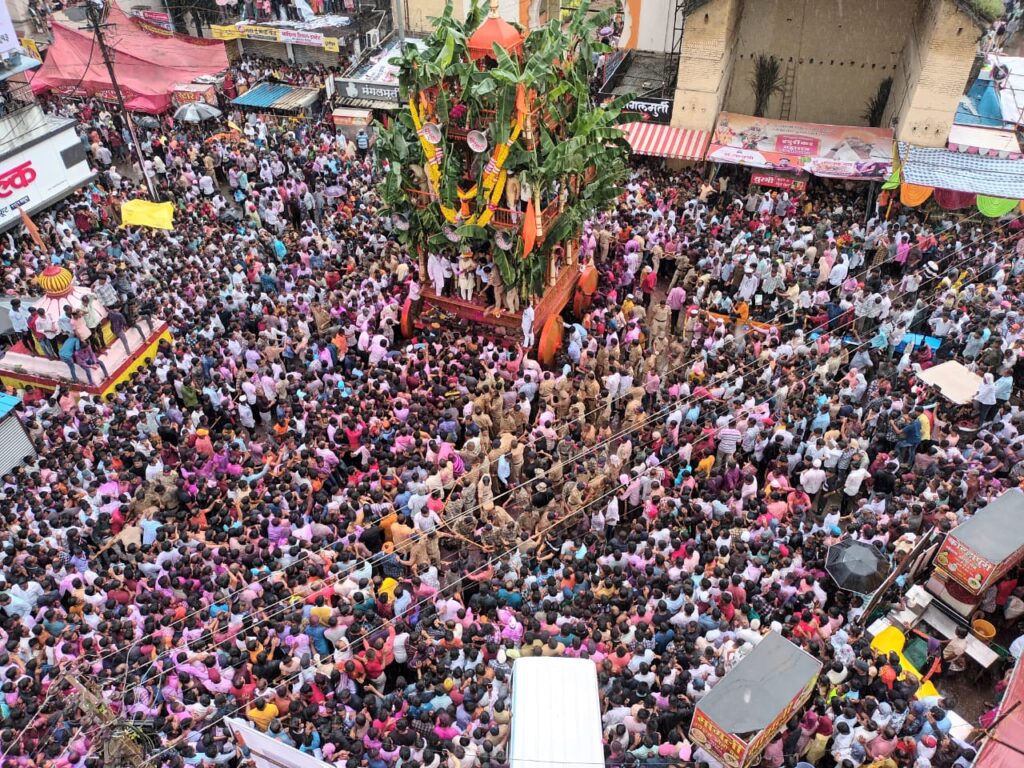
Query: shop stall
point(372, 82)
point(954, 381)
point(741, 715)
point(978, 553)
point(280, 99)
point(348, 121)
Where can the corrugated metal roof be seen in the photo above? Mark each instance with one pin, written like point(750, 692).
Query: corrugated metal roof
point(297, 98)
point(277, 96)
point(262, 95)
point(8, 403)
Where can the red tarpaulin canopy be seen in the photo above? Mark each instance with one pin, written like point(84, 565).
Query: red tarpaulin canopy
point(148, 66)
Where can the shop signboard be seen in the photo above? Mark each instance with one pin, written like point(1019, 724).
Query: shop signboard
point(224, 32)
point(41, 174)
point(302, 37)
point(727, 747)
point(964, 565)
point(366, 90)
point(779, 181)
point(259, 32)
point(157, 21)
point(185, 94)
point(649, 110)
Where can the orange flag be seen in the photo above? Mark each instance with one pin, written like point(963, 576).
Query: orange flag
point(521, 98)
point(529, 230)
point(33, 230)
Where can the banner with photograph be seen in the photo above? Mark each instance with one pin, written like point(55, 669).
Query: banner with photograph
point(833, 151)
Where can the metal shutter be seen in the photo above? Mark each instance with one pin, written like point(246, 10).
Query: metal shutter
point(14, 444)
point(265, 49)
point(308, 54)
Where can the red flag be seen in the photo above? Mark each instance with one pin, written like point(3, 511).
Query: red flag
point(529, 230)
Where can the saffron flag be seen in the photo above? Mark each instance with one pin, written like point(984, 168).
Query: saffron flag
point(529, 230)
point(31, 228)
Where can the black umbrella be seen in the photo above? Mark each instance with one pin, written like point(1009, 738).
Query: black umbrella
point(856, 566)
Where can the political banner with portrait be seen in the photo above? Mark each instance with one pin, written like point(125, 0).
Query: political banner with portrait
point(833, 151)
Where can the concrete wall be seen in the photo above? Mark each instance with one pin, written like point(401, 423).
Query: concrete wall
point(839, 51)
point(528, 13)
point(647, 24)
point(931, 74)
point(418, 13)
point(705, 64)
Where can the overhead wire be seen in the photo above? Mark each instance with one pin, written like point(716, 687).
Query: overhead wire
point(665, 410)
point(615, 489)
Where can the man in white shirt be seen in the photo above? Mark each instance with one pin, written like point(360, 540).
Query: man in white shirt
point(19, 317)
point(854, 482)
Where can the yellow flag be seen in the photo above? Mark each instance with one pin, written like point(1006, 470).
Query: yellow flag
point(143, 213)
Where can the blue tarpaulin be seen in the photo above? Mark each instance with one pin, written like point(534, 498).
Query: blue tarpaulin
point(277, 96)
point(981, 107)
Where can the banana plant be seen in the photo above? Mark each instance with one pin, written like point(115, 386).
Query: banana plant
point(574, 138)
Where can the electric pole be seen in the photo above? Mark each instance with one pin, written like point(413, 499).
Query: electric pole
point(94, 10)
point(120, 747)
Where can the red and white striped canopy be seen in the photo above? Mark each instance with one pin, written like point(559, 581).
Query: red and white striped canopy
point(660, 140)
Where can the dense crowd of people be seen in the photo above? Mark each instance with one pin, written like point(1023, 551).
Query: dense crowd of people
point(296, 516)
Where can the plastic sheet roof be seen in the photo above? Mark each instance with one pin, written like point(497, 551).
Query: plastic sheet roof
point(962, 172)
point(277, 96)
point(148, 66)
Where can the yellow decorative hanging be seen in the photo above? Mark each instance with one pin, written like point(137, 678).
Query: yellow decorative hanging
point(494, 176)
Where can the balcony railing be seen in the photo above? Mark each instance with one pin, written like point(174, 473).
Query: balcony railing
point(14, 97)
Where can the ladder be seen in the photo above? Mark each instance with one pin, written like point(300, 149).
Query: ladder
point(787, 91)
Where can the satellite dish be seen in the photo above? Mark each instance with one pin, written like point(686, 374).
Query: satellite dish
point(401, 221)
point(477, 141)
point(503, 241)
point(432, 133)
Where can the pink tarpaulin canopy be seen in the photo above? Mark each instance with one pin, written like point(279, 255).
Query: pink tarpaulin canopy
point(148, 66)
point(1002, 748)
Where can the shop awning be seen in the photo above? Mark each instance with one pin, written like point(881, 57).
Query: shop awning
point(956, 382)
point(1002, 748)
point(962, 172)
point(148, 67)
point(832, 151)
point(659, 140)
point(277, 96)
point(986, 142)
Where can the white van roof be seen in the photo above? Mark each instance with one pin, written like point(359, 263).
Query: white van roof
point(556, 714)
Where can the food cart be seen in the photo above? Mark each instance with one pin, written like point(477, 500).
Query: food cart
point(979, 552)
point(971, 558)
point(349, 120)
point(741, 715)
point(187, 93)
